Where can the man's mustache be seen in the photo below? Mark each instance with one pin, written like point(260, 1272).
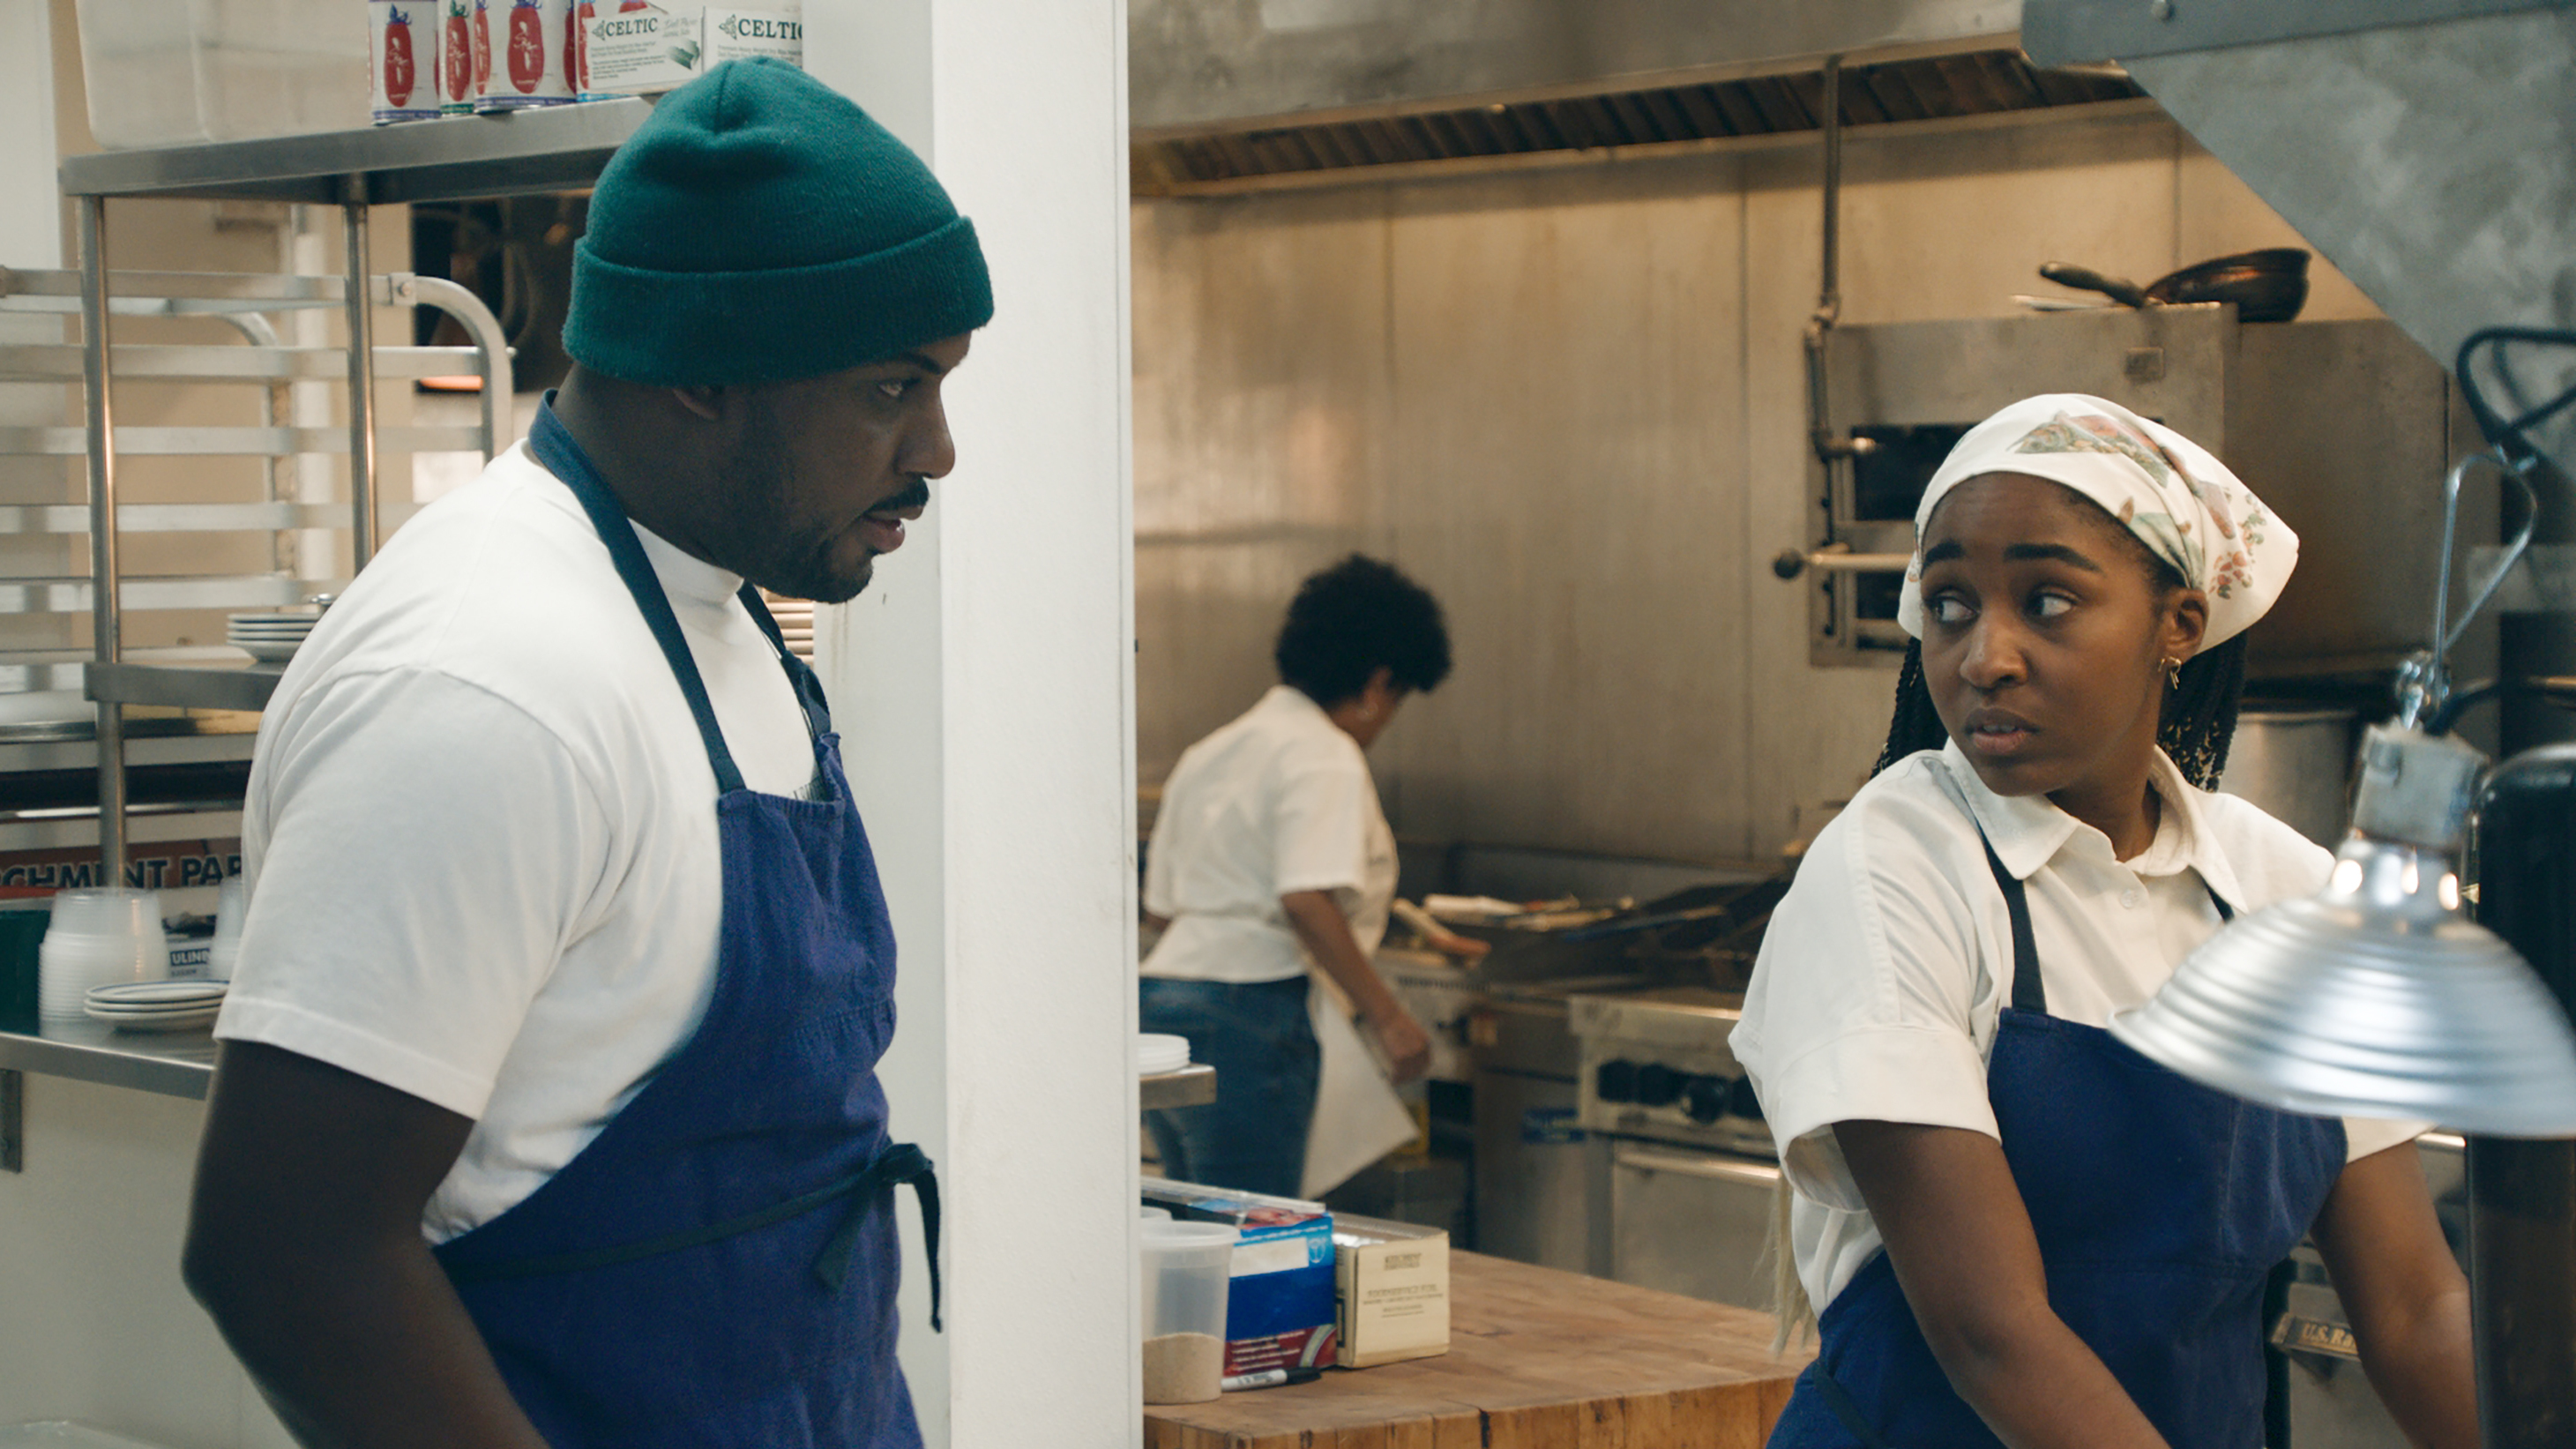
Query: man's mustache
point(916, 496)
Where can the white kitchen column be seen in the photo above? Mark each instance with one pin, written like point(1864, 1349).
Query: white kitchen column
point(984, 688)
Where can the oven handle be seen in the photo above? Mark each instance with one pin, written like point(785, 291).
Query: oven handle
point(1740, 1171)
point(1838, 558)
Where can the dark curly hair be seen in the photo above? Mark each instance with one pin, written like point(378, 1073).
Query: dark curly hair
point(2199, 720)
point(1354, 619)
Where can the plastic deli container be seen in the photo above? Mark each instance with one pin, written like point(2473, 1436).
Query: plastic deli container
point(1182, 1273)
point(98, 938)
point(171, 72)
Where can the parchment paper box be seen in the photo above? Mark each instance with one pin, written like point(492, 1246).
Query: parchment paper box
point(1279, 1296)
point(1391, 1286)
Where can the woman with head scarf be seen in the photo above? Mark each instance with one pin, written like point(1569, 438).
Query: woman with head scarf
point(2020, 1231)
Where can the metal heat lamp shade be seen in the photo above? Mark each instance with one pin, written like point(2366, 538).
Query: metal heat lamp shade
point(2375, 997)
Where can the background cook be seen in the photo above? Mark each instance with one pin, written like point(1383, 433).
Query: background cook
point(1269, 854)
point(545, 1111)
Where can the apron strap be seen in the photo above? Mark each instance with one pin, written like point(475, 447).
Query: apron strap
point(2027, 992)
point(901, 1162)
point(554, 448)
point(809, 685)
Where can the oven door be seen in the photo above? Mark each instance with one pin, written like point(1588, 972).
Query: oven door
point(1691, 1222)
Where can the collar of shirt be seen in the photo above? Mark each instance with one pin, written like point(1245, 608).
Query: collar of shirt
point(1289, 701)
point(688, 577)
point(2027, 831)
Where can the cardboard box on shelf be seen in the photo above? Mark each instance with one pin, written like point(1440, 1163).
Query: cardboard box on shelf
point(1279, 1295)
point(1391, 1290)
point(653, 48)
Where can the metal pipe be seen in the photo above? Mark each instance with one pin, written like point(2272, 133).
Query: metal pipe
point(362, 381)
point(1829, 295)
point(1838, 559)
point(104, 621)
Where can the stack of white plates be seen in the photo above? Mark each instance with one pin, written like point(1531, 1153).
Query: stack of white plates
point(156, 1005)
point(1157, 1054)
point(795, 622)
point(270, 638)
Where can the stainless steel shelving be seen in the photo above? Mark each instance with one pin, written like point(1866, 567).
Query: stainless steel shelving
point(178, 1064)
point(556, 149)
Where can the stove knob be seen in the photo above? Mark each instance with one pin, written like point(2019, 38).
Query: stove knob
point(1658, 1085)
point(1615, 1081)
point(1705, 1099)
point(1742, 1103)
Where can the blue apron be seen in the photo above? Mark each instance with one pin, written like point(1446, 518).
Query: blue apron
point(2160, 1206)
point(718, 1266)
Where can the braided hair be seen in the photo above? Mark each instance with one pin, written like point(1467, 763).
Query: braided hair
point(2199, 721)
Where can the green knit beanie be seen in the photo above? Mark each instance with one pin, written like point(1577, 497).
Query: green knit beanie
point(759, 227)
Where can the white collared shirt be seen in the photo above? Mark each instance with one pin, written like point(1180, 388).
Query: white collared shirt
point(1884, 971)
point(1278, 800)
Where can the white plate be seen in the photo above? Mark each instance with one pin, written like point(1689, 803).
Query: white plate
point(196, 1020)
point(157, 993)
point(255, 631)
point(268, 653)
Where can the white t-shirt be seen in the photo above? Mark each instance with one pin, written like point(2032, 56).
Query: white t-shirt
point(1279, 800)
point(1884, 971)
point(480, 836)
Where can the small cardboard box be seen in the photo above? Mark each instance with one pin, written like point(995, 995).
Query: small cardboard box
point(656, 48)
point(1279, 1309)
point(1391, 1290)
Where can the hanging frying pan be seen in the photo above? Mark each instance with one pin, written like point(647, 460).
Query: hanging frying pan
point(2269, 285)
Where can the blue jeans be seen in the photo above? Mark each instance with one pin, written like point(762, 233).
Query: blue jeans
point(1253, 1136)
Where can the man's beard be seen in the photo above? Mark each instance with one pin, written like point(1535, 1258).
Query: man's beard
point(795, 563)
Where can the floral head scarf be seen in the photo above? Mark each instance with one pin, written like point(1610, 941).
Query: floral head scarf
point(2181, 502)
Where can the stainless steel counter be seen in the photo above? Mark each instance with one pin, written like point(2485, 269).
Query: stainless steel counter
point(1191, 1086)
point(181, 1064)
point(173, 1064)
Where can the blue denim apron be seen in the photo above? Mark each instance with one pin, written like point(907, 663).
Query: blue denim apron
point(718, 1266)
point(2160, 1206)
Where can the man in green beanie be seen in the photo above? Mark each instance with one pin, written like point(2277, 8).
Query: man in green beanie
point(546, 1110)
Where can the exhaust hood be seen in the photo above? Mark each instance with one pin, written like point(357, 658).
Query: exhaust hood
point(1230, 95)
point(1202, 65)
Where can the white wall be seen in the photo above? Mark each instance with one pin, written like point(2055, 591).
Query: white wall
point(983, 688)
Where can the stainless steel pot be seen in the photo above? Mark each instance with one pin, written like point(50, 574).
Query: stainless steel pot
point(2297, 765)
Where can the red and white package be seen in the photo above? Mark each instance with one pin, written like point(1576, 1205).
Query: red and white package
point(533, 65)
point(405, 89)
point(456, 57)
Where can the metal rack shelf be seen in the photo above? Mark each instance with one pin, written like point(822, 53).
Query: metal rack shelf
point(179, 1064)
point(557, 148)
point(185, 686)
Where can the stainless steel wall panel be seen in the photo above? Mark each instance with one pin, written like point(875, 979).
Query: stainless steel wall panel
point(1568, 477)
point(1590, 440)
point(1263, 416)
